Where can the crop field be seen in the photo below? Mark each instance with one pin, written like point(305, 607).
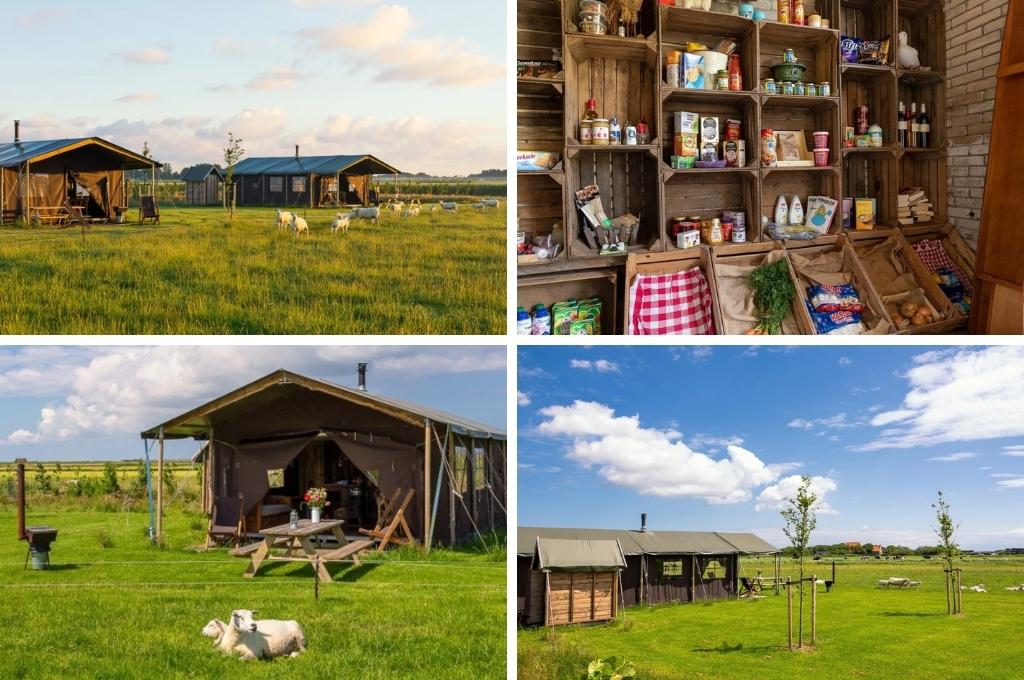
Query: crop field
point(198, 272)
point(113, 606)
point(863, 631)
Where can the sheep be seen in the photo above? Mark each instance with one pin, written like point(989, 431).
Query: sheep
point(411, 211)
point(434, 209)
point(492, 203)
point(395, 207)
point(449, 206)
point(299, 225)
point(372, 214)
point(284, 219)
point(252, 639)
point(215, 631)
point(980, 588)
point(1016, 589)
point(340, 223)
point(479, 206)
point(884, 583)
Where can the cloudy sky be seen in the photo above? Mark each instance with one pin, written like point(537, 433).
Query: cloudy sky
point(715, 439)
point(418, 83)
point(91, 403)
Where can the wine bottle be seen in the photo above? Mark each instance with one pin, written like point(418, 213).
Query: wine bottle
point(926, 127)
point(902, 118)
point(915, 126)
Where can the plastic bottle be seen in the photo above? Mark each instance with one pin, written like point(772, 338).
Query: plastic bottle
point(781, 210)
point(796, 211)
point(614, 130)
point(524, 324)
point(541, 321)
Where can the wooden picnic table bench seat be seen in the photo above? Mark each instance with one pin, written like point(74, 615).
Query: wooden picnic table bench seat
point(350, 550)
point(247, 550)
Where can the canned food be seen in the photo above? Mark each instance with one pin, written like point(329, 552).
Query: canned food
point(789, 57)
point(739, 233)
point(722, 80)
point(586, 132)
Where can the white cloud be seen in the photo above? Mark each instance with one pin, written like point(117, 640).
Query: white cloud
point(44, 17)
point(652, 461)
point(522, 398)
point(1002, 475)
point(845, 361)
point(954, 457)
point(776, 497)
point(957, 395)
point(276, 79)
point(836, 422)
point(711, 443)
point(150, 55)
point(1014, 483)
point(984, 467)
point(1017, 450)
point(599, 365)
point(143, 96)
point(702, 352)
point(128, 389)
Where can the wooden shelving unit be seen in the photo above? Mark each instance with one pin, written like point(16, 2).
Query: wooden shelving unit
point(626, 78)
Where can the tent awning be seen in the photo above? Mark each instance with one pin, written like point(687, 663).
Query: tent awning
point(653, 542)
point(559, 554)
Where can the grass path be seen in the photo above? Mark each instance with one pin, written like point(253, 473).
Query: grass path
point(196, 273)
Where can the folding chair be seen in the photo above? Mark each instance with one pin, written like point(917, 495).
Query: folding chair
point(226, 521)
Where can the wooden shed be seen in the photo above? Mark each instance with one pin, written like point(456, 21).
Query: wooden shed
point(204, 185)
point(574, 581)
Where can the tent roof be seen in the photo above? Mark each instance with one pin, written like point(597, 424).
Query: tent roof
point(363, 164)
point(231, 406)
point(199, 173)
point(561, 554)
point(654, 542)
point(13, 154)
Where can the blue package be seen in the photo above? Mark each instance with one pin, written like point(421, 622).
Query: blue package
point(842, 298)
point(836, 323)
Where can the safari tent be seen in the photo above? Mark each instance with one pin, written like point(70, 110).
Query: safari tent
point(310, 181)
point(271, 440)
point(660, 566)
point(204, 185)
point(574, 581)
point(45, 180)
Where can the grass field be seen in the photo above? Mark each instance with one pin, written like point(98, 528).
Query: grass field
point(863, 632)
point(199, 273)
point(134, 611)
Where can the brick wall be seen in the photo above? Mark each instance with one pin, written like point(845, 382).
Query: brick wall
point(974, 35)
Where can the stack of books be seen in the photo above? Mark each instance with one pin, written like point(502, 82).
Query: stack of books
point(914, 207)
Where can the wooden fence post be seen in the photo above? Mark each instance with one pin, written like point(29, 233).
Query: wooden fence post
point(949, 606)
point(814, 610)
point(959, 593)
point(789, 610)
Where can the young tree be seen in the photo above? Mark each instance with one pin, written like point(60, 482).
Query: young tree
point(232, 154)
point(110, 483)
point(800, 520)
point(948, 549)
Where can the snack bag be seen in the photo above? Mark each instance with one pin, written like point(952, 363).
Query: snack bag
point(836, 323)
point(842, 298)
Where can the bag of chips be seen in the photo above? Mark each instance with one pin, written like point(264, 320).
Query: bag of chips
point(842, 298)
point(849, 49)
point(870, 52)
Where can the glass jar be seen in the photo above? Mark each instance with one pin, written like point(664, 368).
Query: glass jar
point(800, 89)
point(788, 88)
point(769, 86)
point(825, 89)
point(812, 90)
point(722, 80)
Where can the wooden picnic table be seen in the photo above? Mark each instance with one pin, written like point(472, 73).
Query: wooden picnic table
point(299, 546)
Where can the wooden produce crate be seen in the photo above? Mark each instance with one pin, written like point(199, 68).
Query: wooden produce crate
point(925, 25)
point(741, 106)
point(875, 318)
point(815, 48)
point(666, 263)
point(540, 211)
point(958, 250)
point(873, 175)
point(866, 19)
point(707, 193)
point(731, 264)
point(949, 317)
point(581, 285)
point(647, 22)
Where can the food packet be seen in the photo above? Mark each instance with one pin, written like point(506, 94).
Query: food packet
point(870, 52)
point(842, 298)
point(849, 49)
point(836, 323)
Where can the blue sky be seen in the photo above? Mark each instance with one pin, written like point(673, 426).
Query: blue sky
point(713, 439)
point(419, 83)
point(91, 403)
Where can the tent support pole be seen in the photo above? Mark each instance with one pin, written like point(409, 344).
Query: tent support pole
point(451, 497)
point(426, 483)
point(152, 179)
point(149, 491)
point(28, 193)
point(437, 490)
point(160, 489)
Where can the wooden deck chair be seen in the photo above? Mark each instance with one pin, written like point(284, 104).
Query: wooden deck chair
point(226, 521)
point(148, 210)
point(391, 521)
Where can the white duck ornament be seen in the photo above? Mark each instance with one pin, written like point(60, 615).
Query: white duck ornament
point(908, 55)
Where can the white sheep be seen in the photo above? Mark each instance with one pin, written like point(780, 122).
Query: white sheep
point(1016, 589)
point(299, 225)
point(340, 223)
point(372, 214)
point(215, 631)
point(449, 206)
point(411, 211)
point(434, 209)
point(479, 206)
point(252, 639)
point(284, 219)
point(395, 206)
point(492, 203)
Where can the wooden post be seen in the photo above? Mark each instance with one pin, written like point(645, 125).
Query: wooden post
point(949, 605)
point(152, 177)
point(814, 610)
point(451, 489)
point(28, 193)
point(959, 593)
point(160, 490)
point(789, 612)
point(427, 431)
point(778, 571)
point(572, 589)
point(693, 578)
point(547, 598)
point(316, 578)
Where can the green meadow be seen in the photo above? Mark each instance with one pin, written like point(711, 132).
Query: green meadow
point(199, 273)
point(114, 606)
point(862, 631)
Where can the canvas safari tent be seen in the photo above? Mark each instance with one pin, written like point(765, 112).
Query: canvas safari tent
point(660, 566)
point(574, 581)
point(271, 440)
point(37, 178)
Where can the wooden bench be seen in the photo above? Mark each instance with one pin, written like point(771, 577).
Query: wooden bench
point(350, 550)
point(247, 550)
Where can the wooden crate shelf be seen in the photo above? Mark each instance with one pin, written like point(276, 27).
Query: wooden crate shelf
point(626, 76)
point(540, 207)
point(547, 289)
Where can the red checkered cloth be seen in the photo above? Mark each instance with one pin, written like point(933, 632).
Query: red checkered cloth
point(934, 257)
point(671, 304)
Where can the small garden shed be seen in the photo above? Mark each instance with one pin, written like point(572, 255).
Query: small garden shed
point(574, 581)
point(204, 185)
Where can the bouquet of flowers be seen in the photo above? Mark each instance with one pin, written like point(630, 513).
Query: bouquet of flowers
point(316, 497)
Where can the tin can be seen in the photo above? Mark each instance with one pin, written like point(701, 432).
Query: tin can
point(789, 57)
point(825, 89)
point(800, 89)
point(788, 88)
point(586, 132)
point(812, 90)
point(727, 228)
point(849, 138)
point(600, 131)
point(862, 120)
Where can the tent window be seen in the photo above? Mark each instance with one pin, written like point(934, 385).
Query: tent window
point(479, 470)
point(298, 184)
point(275, 478)
point(460, 465)
point(670, 568)
point(712, 569)
point(277, 184)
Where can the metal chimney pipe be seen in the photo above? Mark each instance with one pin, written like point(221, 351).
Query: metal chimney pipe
point(643, 521)
point(362, 377)
point(296, 150)
point(20, 502)
point(17, 131)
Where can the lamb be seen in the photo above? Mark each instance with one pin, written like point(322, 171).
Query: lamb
point(434, 209)
point(980, 588)
point(299, 225)
point(411, 211)
point(284, 219)
point(395, 207)
point(1016, 589)
point(340, 223)
point(372, 214)
point(215, 631)
point(449, 206)
point(252, 639)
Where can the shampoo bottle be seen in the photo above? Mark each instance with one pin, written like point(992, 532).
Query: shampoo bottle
point(781, 211)
point(796, 211)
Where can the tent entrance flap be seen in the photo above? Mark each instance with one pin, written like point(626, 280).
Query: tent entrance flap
point(389, 466)
point(253, 461)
